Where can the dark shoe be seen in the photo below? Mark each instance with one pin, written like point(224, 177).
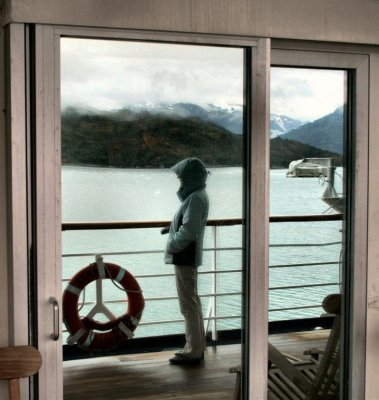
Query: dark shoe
point(181, 353)
point(181, 359)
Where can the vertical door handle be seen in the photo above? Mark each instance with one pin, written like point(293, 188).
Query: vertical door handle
point(55, 335)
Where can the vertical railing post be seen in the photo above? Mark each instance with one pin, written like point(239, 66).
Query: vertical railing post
point(214, 285)
point(99, 282)
point(99, 307)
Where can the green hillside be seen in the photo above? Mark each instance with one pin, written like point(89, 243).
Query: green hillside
point(149, 141)
point(160, 142)
point(283, 151)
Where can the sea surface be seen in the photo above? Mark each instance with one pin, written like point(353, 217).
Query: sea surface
point(92, 194)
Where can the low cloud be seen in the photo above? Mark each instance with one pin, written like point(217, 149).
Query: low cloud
point(306, 94)
point(109, 74)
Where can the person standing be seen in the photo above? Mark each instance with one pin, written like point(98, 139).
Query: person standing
point(184, 249)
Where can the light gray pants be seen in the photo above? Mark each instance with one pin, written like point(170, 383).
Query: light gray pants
point(190, 307)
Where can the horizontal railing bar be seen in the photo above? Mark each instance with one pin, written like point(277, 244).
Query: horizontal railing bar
point(304, 264)
point(120, 253)
point(306, 218)
point(172, 321)
point(305, 244)
point(199, 273)
point(162, 298)
point(115, 253)
point(295, 308)
point(200, 295)
point(76, 226)
point(172, 274)
point(303, 286)
point(182, 320)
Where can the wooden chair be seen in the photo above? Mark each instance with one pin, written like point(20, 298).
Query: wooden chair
point(18, 362)
point(315, 378)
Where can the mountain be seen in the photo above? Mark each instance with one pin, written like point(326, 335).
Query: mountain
point(229, 117)
point(156, 141)
point(280, 124)
point(325, 133)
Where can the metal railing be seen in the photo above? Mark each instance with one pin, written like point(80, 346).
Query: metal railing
point(211, 318)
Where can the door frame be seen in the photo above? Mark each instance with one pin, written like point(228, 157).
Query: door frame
point(48, 167)
point(302, 55)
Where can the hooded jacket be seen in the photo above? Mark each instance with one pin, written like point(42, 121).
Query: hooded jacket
point(186, 233)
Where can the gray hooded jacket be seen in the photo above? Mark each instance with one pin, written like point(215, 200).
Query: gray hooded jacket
point(185, 239)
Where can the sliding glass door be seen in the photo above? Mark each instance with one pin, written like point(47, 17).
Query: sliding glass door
point(127, 110)
point(318, 225)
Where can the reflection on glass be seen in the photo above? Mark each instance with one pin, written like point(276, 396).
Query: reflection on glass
point(130, 111)
point(306, 256)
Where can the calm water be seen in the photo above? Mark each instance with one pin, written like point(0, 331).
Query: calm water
point(106, 194)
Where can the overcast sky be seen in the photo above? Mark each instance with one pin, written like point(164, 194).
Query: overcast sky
point(109, 75)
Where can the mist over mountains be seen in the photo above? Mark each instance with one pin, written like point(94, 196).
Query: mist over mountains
point(229, 117)
point(160, 135)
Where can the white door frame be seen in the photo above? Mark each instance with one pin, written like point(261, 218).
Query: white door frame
point(17, 184)
point(300, 55)
point(48, 196)
point(48, 210)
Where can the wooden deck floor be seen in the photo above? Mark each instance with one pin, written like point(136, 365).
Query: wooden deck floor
point(149, 375)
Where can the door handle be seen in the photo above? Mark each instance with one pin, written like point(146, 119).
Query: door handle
point(55, 335)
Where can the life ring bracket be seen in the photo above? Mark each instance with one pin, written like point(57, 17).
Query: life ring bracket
point(93, 335)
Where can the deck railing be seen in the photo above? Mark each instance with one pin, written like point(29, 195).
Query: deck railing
point(212, 316)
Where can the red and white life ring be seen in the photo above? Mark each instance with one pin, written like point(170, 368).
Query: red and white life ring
point(93, 335)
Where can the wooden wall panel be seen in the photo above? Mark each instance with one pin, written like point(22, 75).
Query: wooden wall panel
point(325, 20)
point(16, 176)
point(16, 191)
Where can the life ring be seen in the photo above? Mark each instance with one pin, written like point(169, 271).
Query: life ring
point(93, 335)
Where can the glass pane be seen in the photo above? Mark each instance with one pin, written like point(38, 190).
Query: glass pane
point(307, 176)
point(130, 112)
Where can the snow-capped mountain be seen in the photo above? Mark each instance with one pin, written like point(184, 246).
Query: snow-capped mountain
point(280, 124)
point(229, 117)
point(182, 110)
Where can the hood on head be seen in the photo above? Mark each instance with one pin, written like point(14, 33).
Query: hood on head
point(192, 174)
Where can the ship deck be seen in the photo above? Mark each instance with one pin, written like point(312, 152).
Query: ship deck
point(150, 376)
